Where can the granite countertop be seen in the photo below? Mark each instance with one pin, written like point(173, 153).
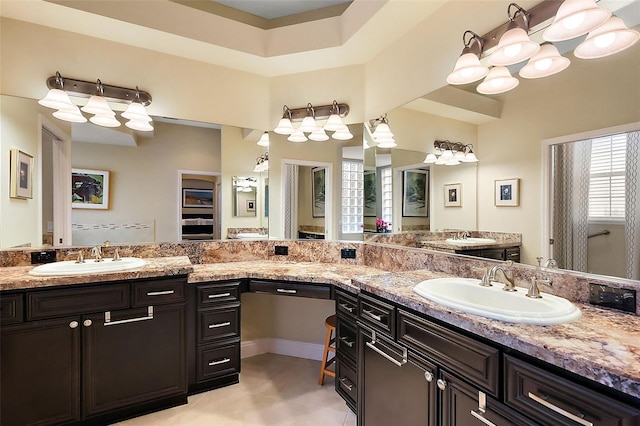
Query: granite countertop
point(443, 245)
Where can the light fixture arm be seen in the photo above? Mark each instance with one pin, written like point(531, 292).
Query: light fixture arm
point(321, 112)
point(86, 89)
point(525, 15)
point(468, 47)
point(310, 111)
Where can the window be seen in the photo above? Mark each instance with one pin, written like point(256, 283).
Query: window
point(352, 197)
point(607, 177)
point(387, 194)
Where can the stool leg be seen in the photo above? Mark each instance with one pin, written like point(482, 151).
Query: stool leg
point(325, 353)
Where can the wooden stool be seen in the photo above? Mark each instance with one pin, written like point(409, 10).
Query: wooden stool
point(330, 323)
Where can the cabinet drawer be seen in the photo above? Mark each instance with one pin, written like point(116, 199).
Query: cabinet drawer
point(553, 400)
point(477, 362)
point(218, 360)
point(347, 382)
point(346, 304)
point(78, 300)
point(281, 288)
point(218, 293)
point(158, 292)
point(218, 323)
point(11, 309)
point(346, 339)
point(377, 314)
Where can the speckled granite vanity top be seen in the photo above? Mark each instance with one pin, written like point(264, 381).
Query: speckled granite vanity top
point(444, 245)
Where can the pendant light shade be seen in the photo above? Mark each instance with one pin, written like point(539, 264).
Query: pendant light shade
point(141, 126)
point(333, 123)
point(105, 120)
point(387, 143)
point(98, 105)
point(284, 127)
point(56, 99)
point(467, 70)
point(136, 111)
point(382, 130)
point(575, 18)
point(308, 125)
point(342, 134)
point(319, 135)
point(499, 80)
point(470, 157)
point(72, 115)
point(430, 158)
point(264, 139)
point(609, 38)
point(545, 63)
point(297, 136)
point(514, 46)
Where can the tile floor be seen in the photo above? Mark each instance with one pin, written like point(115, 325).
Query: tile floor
point(273, 390)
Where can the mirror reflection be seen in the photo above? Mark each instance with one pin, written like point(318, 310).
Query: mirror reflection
point(245, 190)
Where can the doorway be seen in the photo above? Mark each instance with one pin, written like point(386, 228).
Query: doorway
point(199, 205)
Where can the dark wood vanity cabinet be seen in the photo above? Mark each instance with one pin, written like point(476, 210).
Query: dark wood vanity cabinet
point(506, 253)
point(87, 354)
point(347, 348)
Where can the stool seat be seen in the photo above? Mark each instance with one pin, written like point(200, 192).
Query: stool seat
point(330, 323)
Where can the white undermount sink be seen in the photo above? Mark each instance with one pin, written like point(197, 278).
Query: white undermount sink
point(470, 241)
point(90, 266)
point(466, 295)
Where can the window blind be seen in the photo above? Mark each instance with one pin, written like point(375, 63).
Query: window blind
point(607, 177)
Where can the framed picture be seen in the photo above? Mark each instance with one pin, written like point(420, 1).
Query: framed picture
point(317, 189)
point(369, 193)
point(507, 193)
point(89, 189)
point(192, 197)
point(21, 174)
point(452, 195)
point(415, 193)
point(251, 205)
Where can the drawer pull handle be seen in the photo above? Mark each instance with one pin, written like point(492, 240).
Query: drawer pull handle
point(373, 346)
point(220, 324)
point(284, 290)
point(346, 383)
point(160, 293)
point(216, 296)
point(482, 419)
point(559, 410)
point(107, 318)
point(372, 315)
point(347, 307)
point(347, 342)
point(222, 361)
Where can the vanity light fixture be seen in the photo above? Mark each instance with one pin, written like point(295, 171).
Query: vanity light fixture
point(99, 97)
point(611, 37)
point(262, 163)
point(514, 45)
point(545, 63)
point(468, 67)
point(382, 132)
point(575, 18)
point(499, 80)
point(310, 116)
point(452, 153)
point(264, 139)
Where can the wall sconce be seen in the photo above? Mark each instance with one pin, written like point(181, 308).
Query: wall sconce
point(309, 117)
point(99, 95)
point(382, 132)
point(262, 163)
point(264, 139)
point(451, 154)
point(509, 43)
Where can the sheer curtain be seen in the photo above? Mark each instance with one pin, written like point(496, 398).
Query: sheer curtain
point(291, 201)
point(572, 163)
point(632, 205)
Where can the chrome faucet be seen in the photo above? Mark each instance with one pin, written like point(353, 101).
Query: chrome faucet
point(551, 263)
point(497, 273)
point(96, 252)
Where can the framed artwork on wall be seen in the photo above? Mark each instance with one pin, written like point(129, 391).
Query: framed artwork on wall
point(452, 195)
point(197, 197)
point(89, 189)
point(317, 189)
point(251, 205)
point(415, 193)
point(369, 193)
point(507, 193)
point(21, 174)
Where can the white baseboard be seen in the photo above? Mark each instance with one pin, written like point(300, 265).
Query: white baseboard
point(305, 350)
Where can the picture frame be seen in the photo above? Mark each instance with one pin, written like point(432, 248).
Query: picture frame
point(318, 176)
point(415, 193)
point(197, 198)
point(369, 193)
point(21, 174)
point(507, 192)
point(89, 189)
point(453, 195)
point(251, 205)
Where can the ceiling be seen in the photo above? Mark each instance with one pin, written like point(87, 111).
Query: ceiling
point(280, 8)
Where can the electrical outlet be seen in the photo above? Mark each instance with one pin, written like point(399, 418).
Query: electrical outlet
point(348, 253)
point(46, 256)
point(612, 297)
point(282, 250)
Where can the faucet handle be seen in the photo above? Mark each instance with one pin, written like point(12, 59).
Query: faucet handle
point(534, 291)
point(80, 257)
point(484, 282)
point(116, 255)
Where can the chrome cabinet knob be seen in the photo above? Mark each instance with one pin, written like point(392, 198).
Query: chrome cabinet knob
point(428, 375)
point(87, 323)
point(73, 324)
point(442, 385)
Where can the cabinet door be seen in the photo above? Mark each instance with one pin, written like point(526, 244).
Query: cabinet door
point(133, 358)
point(40, 373)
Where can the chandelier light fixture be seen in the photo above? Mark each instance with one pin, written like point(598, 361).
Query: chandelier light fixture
point(99, 95)
point(509, 44)
point(451, 154)
point(309, 117)
point(382, 135)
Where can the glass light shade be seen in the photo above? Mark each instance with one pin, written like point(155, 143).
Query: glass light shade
point(284, 127)
point(499, 80)
point(308, 125)
point(105, 120)
point(611, 37)
point(333, 123)
point(264, 139)
point(387, 143)
point(98, 105)
point(265, 165)
point(459, 155)
point(140, 125)
point(446, 154)
point(430, 158)
point(136, 111)
point(342, 134)
point(441, 161)
point(467, 70)
point(575, 18)
point(545, 63)
point(470, 157)
point(319, 135)
point(452, 162)
point(382, 130)
point(72, 115)
point(57, 99)
point(297, 136)
point(514, 46)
